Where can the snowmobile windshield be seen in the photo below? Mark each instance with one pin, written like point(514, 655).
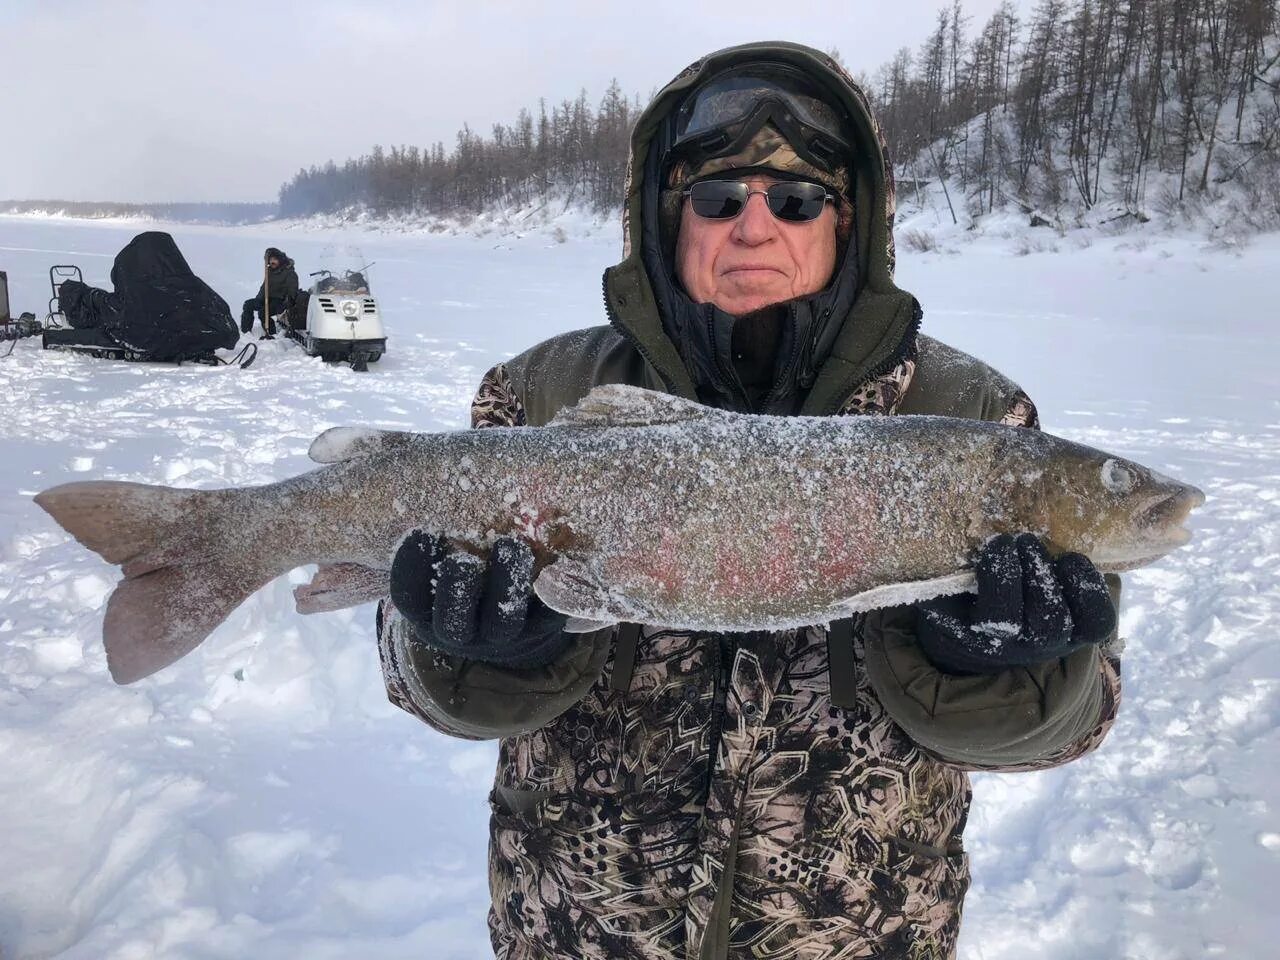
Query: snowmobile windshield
point(721, 115)
point(349, 281)
point(342, 271)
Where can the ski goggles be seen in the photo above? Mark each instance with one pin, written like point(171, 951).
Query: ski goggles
point(795, 201)
point(721, 115)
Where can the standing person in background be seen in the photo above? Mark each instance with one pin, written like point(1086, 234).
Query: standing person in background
point(797, 795)
point(280, 284)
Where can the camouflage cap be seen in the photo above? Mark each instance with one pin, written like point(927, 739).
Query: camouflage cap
point(767, 150)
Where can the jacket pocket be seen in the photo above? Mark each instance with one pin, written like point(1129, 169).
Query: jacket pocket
point(858, 899)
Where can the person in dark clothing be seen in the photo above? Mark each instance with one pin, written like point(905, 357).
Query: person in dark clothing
point(280, 285)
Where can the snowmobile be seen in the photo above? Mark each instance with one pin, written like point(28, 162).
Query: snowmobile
point(337, 318)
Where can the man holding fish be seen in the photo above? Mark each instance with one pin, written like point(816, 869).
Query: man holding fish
point(744, 582)
point(675, 793)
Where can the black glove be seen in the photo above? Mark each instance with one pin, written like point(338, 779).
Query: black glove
point(482, 610)
point(1029, 608)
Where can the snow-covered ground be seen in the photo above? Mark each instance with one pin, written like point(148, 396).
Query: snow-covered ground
point(261, 798)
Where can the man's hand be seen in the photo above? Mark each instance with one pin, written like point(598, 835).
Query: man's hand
point(462, 604)
point(1029, 608)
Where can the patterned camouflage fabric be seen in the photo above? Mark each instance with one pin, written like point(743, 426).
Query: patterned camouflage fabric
point(768, 148)
point(612, 826)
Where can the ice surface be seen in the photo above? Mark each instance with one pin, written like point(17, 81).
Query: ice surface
point(261, 798)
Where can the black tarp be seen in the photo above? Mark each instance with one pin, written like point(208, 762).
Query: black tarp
point(159, 307)
point(86, 307)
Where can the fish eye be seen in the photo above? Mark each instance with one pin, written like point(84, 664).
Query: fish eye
point(1117, 477)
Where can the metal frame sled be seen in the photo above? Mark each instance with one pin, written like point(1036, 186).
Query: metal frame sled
point(58, 335)
point(59, 273)
point(97, 344)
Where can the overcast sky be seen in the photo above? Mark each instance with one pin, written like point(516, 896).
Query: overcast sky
point(142, 100)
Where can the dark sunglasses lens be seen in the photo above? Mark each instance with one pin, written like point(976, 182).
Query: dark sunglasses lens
point(797, 202)
point(718, 199)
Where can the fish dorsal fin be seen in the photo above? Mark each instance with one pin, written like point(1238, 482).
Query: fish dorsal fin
point(348, 443)
point(620, 405)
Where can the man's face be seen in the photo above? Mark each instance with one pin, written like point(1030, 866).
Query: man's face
point(274, 263)
point(754, 260)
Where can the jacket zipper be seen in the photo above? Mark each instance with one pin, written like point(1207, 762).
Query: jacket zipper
point(730, 376)
point(726, 649)
point(792, 361)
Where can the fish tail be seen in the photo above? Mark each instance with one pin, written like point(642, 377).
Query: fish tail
point(181, 577)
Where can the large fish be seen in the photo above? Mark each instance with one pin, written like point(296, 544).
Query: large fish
point(639, 507)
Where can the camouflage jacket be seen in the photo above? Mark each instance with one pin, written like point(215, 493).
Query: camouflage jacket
point(801, 795)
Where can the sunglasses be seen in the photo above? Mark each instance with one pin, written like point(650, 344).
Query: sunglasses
point(795, 201)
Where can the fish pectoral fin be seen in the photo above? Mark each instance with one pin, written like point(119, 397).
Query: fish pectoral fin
point(348, 443)
point(569, 587)
point(620, 405)
point(912, 591)
point(337, 586)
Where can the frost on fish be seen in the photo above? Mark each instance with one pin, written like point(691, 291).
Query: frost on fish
point(644, 507)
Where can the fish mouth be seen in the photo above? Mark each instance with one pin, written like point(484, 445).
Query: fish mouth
point(1161, 520)
point(1167, 512)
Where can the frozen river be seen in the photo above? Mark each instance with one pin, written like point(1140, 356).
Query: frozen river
point(261, 798)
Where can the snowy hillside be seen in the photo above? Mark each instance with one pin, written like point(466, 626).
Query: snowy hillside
point(1237, 205)
point(262, 799)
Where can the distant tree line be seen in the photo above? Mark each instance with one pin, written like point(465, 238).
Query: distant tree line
point(1079, 103)
point(211, 213)
point(572, 149)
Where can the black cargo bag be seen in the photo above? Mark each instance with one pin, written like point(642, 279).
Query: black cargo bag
point(86, 307)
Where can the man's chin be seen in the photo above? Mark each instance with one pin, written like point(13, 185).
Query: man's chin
point(742, 304)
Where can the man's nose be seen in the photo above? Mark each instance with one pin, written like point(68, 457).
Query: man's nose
point(755, 224)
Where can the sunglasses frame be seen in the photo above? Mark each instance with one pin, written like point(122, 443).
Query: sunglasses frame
point(827, 197)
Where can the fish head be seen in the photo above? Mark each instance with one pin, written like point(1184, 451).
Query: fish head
point(1119, 513)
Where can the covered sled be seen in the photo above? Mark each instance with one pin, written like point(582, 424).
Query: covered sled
point(159, 309)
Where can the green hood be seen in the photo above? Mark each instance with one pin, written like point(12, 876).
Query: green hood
point(860, 326)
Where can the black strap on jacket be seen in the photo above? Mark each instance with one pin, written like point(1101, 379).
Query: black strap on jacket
point(624, 656)
point(842, 668)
